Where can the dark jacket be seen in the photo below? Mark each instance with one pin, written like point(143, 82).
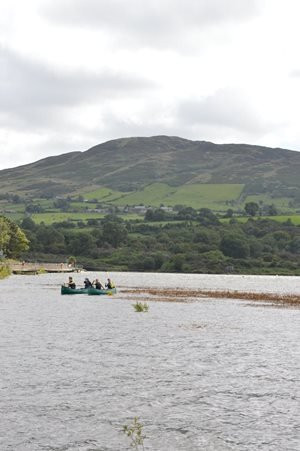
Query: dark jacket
point(87, 283)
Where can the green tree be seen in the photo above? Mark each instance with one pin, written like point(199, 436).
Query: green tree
point(272, 210)
point(234, 246)
point(18, 241)
point(50, 240)
point(229, 213)
point(28, 224)
point(4, 233)
point(178, 261)
point(62, 204)
point(12, 240)
point(114, 233)
point(207, 217)
point(294, 245)
point(149, 215)
point(251, 208)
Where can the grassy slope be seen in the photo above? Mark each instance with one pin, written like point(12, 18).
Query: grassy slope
point(103, 194)
point(279, 202)
point(207, 195)
point(151, 195)
point(195, 195)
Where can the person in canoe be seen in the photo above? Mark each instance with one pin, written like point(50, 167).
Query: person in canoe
point(98, 285)
point(87, 283)
point(71, 283)
point(109, 284)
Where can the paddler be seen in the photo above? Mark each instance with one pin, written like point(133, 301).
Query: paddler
point(71, 283)
point(98, 284)
point(109, 284)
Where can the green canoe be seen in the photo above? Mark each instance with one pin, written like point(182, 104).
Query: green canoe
point(94, 291)
point(67, 290)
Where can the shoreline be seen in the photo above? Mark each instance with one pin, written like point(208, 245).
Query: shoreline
point(179, 295)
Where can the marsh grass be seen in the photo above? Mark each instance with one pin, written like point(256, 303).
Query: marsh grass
point(4, 270)
point(141, 306)
point(41, 271)
point(135, 433)
point(176, 295)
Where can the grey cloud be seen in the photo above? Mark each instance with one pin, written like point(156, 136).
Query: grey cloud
point(226, 108)
point(114, 126)
point(151, 22)
point(29, 89)
point(295, 73)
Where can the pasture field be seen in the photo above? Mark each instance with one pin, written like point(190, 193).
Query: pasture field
point(280, 218)
point(153, 195)
point(49, 218)
point(12, 207)
point(45, 203)
point(214, 196)
point(283, 218)
point(279, 202)
point(103, 194)
point(84, 205)
point(16, 216)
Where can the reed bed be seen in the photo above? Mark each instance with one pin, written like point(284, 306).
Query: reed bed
point(186, 295)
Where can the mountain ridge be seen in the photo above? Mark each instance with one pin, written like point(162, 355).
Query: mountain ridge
point(129, 164)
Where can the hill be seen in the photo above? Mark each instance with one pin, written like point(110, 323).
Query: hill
point(161, 168)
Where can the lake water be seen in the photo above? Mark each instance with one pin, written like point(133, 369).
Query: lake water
point(209, 375)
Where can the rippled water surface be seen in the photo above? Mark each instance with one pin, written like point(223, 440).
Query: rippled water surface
point(209, 375)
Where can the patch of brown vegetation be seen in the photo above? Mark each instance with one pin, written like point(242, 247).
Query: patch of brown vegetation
point(180, 295)
point(193, 326)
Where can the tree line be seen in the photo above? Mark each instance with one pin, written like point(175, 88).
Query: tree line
point(197, 241)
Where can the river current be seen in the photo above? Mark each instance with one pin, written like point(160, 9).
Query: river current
point(214, 374)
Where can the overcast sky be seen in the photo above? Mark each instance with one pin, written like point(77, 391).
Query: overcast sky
point(75, 73)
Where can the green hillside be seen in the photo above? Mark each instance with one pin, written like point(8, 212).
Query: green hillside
point(163, 170)
point(195, 195)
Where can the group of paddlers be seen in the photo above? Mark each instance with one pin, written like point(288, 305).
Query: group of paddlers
point(95, 284)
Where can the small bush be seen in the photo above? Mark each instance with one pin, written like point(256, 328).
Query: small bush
point(135, 432)
point(141, 307)
point(4, 271)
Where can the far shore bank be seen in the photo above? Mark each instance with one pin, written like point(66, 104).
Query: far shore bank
point(43, 267)
point(24, 268)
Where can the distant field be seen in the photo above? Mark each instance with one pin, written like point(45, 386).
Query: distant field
point(197, 195)
point(49, 218)
point(294, 218)
point(207, 195)
point(12, 207)
point(282, 218)
point(14, 216)
point(153, 195)
point(45, 203)
point(279, 202)
point(103, 194)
